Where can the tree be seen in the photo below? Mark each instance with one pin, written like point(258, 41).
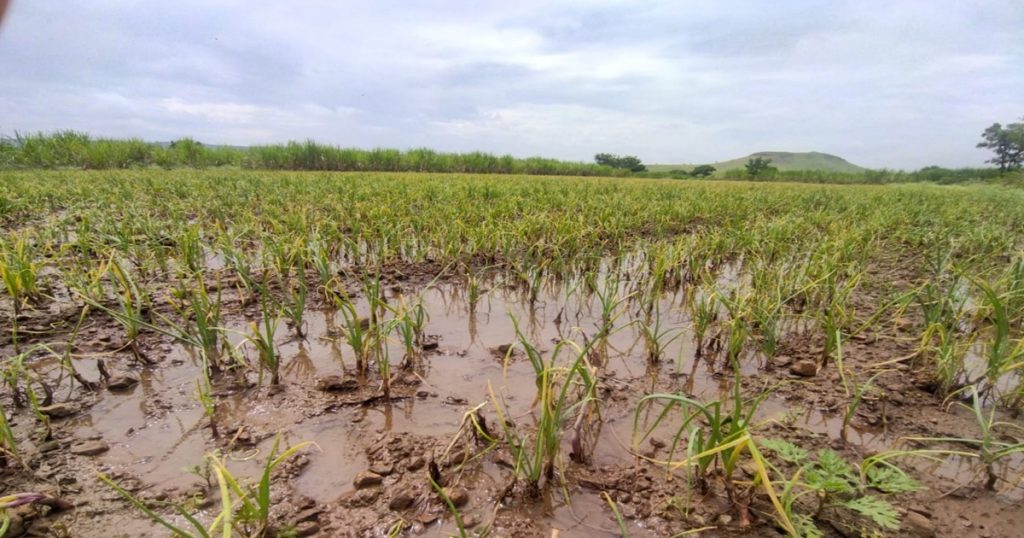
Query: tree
point(759, 165)
point(627, 162)
point(703, 170)
point(1007, 143)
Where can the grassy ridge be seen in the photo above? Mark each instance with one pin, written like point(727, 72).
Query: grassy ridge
point(69, 149)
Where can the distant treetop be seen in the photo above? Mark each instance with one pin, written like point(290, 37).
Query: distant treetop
point(627, 162)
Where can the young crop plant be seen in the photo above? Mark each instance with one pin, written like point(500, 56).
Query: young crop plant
point(200, 324)
point(704, 314)
point(294, 306)
point(656, 336)
point(244, 509)
point(855, 392)
point(261, 337)
point(563, 392)
point(243, 266)
point(357, 330)
point(19, 271)
point(8, 443)
point(715, 435)
point(835, 312)
point(992, 447)
point(133, 303)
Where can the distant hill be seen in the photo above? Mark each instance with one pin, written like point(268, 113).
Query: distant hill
point(783, 160)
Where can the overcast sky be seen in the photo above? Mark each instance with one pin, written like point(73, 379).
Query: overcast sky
point(883, 84)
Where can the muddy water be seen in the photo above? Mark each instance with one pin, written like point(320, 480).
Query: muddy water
point(158, 430)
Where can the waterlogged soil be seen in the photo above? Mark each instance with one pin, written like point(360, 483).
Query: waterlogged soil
point(368, 471)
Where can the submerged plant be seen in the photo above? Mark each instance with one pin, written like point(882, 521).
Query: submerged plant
point(563, 392)
point(244, 509)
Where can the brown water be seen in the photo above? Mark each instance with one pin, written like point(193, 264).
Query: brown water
point(158, 429)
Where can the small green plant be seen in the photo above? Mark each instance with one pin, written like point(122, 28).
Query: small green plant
point(294, 306)
point(563, 391)
point(132, 304)
point(855, 392)
point(19, 272)
point(356, 330)
point(450, 505)
point(201, 324)
point(828, 483)
point(261, 337)
point(990, 448)
point(8, 444)
point(656, 336)
point(703, 313)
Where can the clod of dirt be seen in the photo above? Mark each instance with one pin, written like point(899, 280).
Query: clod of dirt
point(458, 496)
point(309, 514)
point(122, 382)
point(16, 525)
point(470, 520)
point(401, 501)
point(804, 368)
point(918, 525)
point(337, 383)
point(307, 528)
point(59, 410)
point(89, 448)
point(381, 469)
point(782, 361)
point(367, 479)
point(504, 350)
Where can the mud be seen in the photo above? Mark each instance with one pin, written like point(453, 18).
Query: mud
point(369, 470)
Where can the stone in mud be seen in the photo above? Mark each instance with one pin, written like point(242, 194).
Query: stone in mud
point(309, 514)
point(470, 520)
point(381, 469)
point(307, 528)
point(804, 368)
point(337, 383)
point(504, 460)
point(416, 463)
point(122, 382)
point(401, 501)
point(89, 448)
point(367, 479)
point(458, 496)
point(918, 525)
point(59, 410)
point(49, 446)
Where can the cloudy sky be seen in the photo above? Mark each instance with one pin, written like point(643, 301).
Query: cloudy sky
point(896, 84)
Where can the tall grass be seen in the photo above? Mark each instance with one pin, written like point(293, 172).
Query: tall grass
point(70, 149)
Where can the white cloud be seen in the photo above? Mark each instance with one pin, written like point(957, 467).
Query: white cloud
point(895, 85)
point(213, 112)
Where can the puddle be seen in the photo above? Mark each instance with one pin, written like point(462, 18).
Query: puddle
point(158, 430)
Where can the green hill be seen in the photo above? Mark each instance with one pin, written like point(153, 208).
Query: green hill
point(783, 160)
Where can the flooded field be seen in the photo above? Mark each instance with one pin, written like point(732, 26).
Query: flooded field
point(509, 357)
